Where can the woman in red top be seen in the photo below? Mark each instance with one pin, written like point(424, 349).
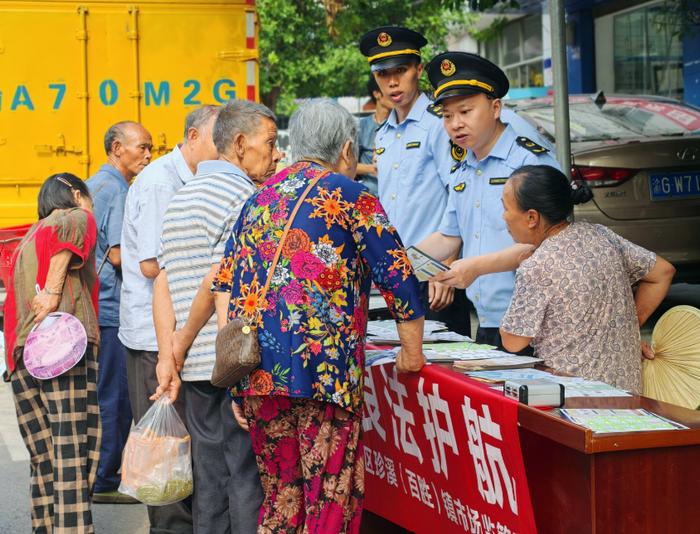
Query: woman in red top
point(58, 417)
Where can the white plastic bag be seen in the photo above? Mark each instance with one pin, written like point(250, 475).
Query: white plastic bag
point(157, 459)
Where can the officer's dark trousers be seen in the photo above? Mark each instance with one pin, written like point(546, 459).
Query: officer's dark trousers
point(115, 411)
point(141, 367)
point(227, 490)
point(492, 336)
point(455, 316)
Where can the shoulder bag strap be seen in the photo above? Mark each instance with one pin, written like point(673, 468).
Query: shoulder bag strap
point(303, 196)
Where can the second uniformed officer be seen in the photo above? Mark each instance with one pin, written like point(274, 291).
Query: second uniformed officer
point(469, 89)
point(413, 153)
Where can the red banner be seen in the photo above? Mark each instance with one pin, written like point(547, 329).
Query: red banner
point(442, 454)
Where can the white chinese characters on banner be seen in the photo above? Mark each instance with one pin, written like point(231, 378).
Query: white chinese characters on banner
point(371, 414)
point(488, 459)
point(404, 437)
point(433, 405)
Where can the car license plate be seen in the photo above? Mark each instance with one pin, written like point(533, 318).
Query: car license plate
point(674, 185)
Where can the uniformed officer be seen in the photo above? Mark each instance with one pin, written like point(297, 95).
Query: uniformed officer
point(469, 89)
point(413, 152)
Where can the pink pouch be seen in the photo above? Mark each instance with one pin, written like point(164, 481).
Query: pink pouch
point(54, 346)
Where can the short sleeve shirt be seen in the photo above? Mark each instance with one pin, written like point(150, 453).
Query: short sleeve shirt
point(108, 189)
point(313, 320)
point(413, 171)
point(196, 226)
point(574, 297)
point(72, 230)
point(146, 203)
point(475, 213)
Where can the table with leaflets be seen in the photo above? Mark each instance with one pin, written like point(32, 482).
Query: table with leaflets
point(447, 453)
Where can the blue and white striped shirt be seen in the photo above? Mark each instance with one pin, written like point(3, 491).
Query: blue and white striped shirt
point(195, 229)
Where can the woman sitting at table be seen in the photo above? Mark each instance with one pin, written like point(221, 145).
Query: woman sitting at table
point(584, 291)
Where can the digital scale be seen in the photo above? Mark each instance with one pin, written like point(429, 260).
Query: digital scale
point(535, 392)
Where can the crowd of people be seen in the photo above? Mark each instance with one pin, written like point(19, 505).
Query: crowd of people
point(211, 232)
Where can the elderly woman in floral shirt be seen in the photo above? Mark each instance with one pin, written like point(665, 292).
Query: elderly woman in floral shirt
point(303, 404)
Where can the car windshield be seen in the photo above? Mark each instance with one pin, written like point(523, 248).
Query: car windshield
point(619, 119)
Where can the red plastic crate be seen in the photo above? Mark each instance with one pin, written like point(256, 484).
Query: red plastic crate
point(9, 239)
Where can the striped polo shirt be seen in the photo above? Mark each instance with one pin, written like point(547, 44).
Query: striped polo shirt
point(197, 224)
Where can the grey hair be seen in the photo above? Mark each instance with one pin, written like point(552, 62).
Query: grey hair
point(319, 129)
point(238, 117)
point(199, 117)
point(116, 131)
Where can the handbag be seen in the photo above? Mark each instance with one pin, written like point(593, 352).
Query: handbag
point(237, 347)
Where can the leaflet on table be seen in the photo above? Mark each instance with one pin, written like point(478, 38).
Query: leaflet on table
point(385, 332)
point(502, 360)
point(623, 420)
point(378, 357)
point(573, 386)
point(423, 265)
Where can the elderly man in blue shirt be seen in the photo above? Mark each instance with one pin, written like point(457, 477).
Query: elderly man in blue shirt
point(128, 148)
point(470, 88)
point(414, 156)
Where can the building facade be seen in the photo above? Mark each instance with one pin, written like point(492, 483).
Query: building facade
point(618, 46)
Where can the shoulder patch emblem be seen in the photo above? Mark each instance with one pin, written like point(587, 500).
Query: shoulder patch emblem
point(379, 151)
point(457, 152)
point(460, 187)
point(435, 109)
point(413, 144)
point(498, 181)
point(531, 146)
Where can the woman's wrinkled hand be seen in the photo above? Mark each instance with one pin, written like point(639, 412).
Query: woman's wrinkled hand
point(647, 351)
point(462, 274)
point(43, 304)
point(238, 415)
point(407, 362)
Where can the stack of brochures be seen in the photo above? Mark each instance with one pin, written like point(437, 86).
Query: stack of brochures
point(574, 386)
point(500, 361)
point(385, 333)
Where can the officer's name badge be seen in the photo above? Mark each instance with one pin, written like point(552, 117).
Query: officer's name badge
point(413, 144)
point(380, 151)
point(460, 187)
point(498, 181)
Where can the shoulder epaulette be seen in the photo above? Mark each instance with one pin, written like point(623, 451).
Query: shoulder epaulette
point(457, 152)
point(435, 109)
point(531, 146)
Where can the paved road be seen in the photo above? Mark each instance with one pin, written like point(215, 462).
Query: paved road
point(14, 485)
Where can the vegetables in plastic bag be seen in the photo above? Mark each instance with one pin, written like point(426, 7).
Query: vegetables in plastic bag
point(157, 459)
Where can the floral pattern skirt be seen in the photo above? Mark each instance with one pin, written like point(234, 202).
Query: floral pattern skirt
point(311, 465)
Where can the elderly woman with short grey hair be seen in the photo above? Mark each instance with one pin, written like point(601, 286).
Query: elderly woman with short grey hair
point(303, 404)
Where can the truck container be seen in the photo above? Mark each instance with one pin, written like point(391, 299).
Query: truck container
point(72, 69)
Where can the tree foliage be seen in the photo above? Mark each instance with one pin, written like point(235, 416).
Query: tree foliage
point(309, 48)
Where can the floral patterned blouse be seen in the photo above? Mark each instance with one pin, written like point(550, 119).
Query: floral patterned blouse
point(313, 320)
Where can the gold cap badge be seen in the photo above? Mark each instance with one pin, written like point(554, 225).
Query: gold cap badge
point(447, 67)
point(384, 39)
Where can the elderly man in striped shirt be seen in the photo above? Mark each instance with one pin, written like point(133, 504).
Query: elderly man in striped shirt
point(197, 223)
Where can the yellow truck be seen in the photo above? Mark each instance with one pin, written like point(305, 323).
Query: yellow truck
point(68, 70)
